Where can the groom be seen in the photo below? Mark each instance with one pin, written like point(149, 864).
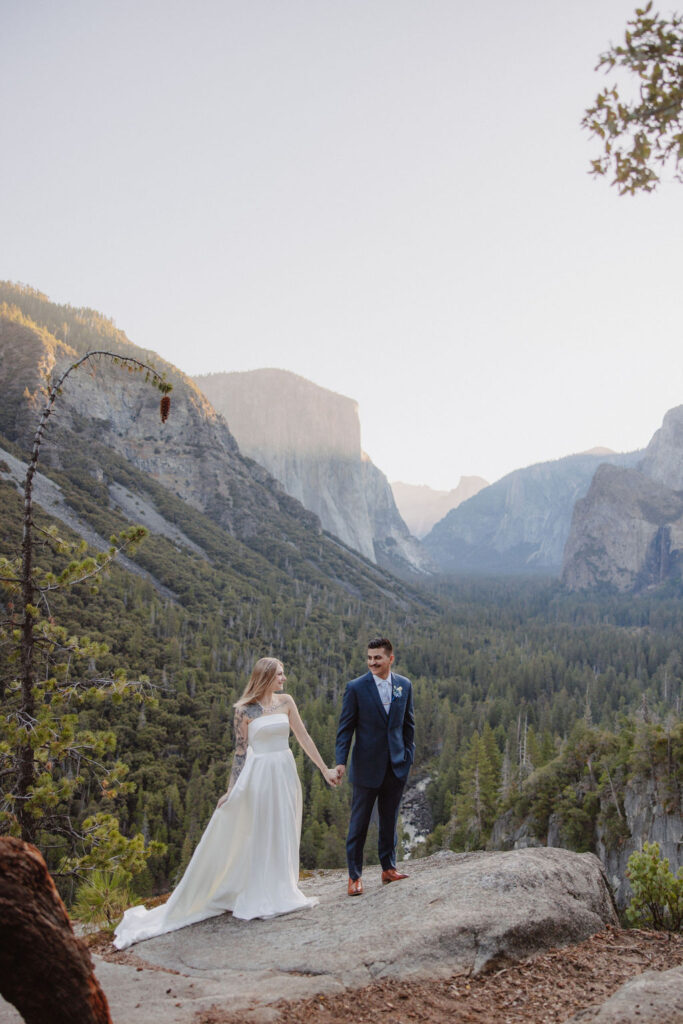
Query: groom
point(378, 708)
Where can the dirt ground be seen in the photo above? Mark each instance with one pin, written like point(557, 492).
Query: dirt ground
point(546, 989)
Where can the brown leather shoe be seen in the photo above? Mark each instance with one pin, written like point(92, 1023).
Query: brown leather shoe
point(355, 887)
point(391, 875)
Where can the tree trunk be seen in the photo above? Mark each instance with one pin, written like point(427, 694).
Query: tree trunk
point(26, 772)
point(45, 971)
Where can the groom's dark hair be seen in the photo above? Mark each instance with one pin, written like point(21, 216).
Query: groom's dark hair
point(380, 641)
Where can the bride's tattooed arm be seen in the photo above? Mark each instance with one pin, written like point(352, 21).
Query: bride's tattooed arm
point(243, 715)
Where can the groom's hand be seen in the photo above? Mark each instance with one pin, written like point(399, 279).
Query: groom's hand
point(341, 771)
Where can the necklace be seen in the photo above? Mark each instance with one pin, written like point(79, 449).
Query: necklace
point(270, 708)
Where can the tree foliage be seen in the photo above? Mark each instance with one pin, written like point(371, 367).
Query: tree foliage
point(657, 892)
point(643, 135)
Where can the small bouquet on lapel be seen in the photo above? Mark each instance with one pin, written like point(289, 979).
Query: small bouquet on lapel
point(396, 692)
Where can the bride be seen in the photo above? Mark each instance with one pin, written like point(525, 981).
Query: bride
point(247, 861)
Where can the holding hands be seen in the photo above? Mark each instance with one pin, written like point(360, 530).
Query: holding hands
point(334, 776)
point(331, 777)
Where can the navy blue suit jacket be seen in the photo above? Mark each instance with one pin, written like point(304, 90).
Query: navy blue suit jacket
point(381, 739)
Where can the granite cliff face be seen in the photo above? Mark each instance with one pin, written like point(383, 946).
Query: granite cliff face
point(628, 530)
point(309, 439)
point(663, 459)
point(648, 817)
point(421, 506)
point(521, 522)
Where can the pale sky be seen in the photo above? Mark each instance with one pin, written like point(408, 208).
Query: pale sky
point(388, 197)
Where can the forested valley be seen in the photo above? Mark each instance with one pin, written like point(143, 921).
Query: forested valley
point(531, 702)
point(525, 697)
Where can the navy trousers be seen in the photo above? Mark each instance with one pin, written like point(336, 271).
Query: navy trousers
point(388, 796)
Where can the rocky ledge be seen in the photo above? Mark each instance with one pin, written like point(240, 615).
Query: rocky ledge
point(464, 913)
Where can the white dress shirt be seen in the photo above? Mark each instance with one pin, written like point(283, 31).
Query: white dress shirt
point(384, 690)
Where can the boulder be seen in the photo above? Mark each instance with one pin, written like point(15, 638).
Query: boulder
point(655, 997)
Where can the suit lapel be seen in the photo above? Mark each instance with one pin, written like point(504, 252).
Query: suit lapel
point(395, 700)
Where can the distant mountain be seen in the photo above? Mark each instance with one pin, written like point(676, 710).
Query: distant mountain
point(421, 506)
point(105, 423)
point(598, 450)
point(628, 530)
point(521, 522)
point(309, 439)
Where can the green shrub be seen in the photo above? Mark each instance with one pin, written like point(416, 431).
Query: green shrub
point(102, 899)
point(657, 893)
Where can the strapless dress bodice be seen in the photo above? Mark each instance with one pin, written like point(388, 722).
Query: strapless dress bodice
point(269, 734)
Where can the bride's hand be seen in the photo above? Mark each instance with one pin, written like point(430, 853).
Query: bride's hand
point(330, 776)
point(221, 800)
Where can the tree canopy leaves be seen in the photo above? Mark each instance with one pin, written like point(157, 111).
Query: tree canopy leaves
point(643, 135)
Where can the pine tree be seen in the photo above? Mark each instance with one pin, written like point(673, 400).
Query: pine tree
point(46, 759)
point(477, 801)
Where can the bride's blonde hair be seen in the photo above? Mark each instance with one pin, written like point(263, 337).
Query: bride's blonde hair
point(262, 675)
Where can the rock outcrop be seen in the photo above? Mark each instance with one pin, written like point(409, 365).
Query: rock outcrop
point(45, 971)
point(648, 817)
point(456, 913)
point(521, 522)
point(627, 532)
point(663, 460)
point(422, 507)
point(309, 439)
point(655, 997)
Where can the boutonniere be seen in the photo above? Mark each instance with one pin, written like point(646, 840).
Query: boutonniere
point(396, 692)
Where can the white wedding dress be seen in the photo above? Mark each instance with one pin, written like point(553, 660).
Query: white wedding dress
point(247, 861)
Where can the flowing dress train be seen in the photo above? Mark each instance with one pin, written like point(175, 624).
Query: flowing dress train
point(247, 861)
